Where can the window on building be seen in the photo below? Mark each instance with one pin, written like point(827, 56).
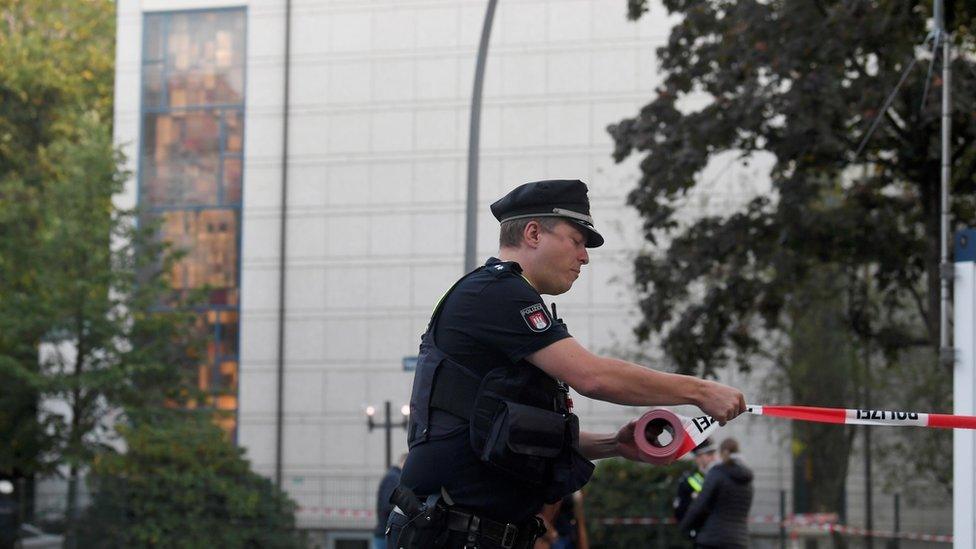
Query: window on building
point(191, 169)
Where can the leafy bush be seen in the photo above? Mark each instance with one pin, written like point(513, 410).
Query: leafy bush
point(181, 484)
point(626, 489)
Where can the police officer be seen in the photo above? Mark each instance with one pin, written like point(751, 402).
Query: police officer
point(492, 435)
point(388, 483)
point(691, 482)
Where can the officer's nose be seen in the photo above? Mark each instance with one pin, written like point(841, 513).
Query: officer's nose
point(585, 257)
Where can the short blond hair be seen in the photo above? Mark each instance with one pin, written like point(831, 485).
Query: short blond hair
point(510, 232)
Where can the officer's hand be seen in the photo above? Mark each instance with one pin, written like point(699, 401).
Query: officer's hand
point(626, 445)
point(721, 402)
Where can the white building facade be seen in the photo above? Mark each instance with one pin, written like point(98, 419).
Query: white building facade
point(377, 131)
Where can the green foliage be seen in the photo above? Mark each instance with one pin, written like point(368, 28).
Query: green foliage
point(822, 364)
point(79, 277)
point(181, 484)
point(771, 84)
point(626, 489)
point(56, 75)
point(728, 289)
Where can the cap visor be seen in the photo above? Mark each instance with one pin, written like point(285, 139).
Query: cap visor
point(593, 238)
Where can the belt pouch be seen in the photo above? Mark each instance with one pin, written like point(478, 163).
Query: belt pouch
point(523, 441)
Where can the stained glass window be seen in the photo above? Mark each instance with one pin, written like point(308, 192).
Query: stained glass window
point(191, 169)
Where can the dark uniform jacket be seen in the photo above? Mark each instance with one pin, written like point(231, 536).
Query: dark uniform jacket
point(689, 485)
point(492, 318)
point(720, 512)
point(383, 506)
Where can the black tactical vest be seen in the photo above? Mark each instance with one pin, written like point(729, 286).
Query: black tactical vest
point(517, 415)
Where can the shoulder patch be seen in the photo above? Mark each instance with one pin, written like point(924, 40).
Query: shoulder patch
point(536, 317)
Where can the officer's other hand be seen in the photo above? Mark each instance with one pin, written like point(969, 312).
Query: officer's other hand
point(626, 446)
point(721, 402)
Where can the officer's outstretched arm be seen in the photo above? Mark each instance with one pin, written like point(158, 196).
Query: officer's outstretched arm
point(622, 382)
point(604, 445)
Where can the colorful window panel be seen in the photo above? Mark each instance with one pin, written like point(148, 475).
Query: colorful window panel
point(191, 170)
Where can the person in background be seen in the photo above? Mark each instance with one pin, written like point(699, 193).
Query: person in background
point(383, 506)
point(570, 524)
point(565, 524)
point(720, 513)
point(691, 482)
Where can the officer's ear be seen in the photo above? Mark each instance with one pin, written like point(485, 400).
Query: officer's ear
point(532, 234)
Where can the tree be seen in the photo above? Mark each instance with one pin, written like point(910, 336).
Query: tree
point(80, 341)
point(107, 349)
point(624, 489)
point(181, 484)
point(56, 67)
point(726, 288)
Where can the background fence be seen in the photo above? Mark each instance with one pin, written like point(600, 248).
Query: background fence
point(346, 503)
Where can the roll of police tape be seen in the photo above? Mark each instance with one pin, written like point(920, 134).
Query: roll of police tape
point(684, 433)
point(663, 436)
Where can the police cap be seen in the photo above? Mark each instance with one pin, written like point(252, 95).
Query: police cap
point(565, 198)
point(703, 448)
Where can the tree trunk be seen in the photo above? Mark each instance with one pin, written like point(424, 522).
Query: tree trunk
point(822, 358)
point(75, 436)
point(70, 514)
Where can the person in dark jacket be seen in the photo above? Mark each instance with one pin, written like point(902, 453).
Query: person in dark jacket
point(720, 512)
point(383, 506)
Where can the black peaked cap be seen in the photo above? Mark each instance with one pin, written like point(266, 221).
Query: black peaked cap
point(704, 447)
point(565, 198)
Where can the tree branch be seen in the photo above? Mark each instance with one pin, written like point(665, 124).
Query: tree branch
point(920, 305)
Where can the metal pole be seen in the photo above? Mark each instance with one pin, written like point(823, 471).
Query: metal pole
point(782, 519)
point(282, 251)
point(868, 496)
point(964, 391)
point(388, 426)
point(474, 132)
point(945, 349)
point(895, 542)
point(662, 533)
point(868, 489)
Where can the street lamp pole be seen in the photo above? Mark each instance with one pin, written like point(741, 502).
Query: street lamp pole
point(387, 425)
point(474, 132)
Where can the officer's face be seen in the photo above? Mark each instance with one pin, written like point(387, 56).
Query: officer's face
point(563, 254)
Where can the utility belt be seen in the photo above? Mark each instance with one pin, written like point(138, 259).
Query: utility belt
point(435, 523)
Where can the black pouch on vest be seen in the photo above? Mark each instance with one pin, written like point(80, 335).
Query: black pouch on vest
point(570, 473)
point(523, 441)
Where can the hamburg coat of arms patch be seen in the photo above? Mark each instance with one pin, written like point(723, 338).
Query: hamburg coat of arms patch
point(536, 317)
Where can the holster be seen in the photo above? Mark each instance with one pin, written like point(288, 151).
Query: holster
point(426, 525)
point(435, 524)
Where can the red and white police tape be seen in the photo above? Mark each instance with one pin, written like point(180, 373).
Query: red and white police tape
point(801, 519)
point(796, 524)
point(854, 531)
point(820, 522)
point(688, 432)
point(337, 512)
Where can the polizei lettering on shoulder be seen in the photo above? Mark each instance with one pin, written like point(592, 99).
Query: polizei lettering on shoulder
point(887, 415)
point(702, 423)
